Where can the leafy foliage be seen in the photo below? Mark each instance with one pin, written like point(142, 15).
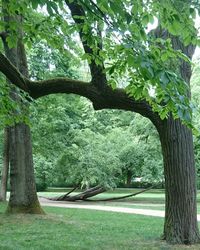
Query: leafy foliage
point(72, 140)
point(133, 57)
point(79, 146)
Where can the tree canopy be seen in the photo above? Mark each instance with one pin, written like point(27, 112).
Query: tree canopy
point(117, 46)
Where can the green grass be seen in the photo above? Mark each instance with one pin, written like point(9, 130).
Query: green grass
point(137, 206)
point(66, 229)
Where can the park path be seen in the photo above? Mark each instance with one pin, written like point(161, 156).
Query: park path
point(147, 212)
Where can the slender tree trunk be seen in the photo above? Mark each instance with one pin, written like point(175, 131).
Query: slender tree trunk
point(129, 178)
point(180, 183)
point(5, 167)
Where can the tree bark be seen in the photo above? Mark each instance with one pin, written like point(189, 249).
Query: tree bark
point(180, 183)
point(23, 195)
point(5, 167)
point(179, 166)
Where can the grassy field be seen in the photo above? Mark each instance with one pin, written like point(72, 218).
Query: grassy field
point(66, 229)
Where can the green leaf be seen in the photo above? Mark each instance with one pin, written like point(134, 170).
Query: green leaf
point(164, 79)
point(12, 41)
point(193, 13)
point(128, 18)
point(163, 113)
point(49, 9)
point(151, 19)
point(113, 83)
point(35, 4)
point(145, 19)
point(164, 56)
point(111, 69)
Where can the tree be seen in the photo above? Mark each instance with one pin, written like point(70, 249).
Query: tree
point(89, 161)
point(23, 196)
point(148, 67)
point(66, 128)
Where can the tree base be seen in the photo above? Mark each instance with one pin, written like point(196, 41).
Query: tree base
point(175, 239)
point(33, 208)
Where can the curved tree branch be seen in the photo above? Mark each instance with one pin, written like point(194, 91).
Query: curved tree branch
point(101, 99)
point(12, 73)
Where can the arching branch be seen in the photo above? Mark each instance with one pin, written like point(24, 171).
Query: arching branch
point(101, 99)
point(11, 72)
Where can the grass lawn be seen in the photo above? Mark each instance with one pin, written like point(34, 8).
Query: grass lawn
point(65, 229)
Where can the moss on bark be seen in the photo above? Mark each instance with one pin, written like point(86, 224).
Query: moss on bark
point(33, 208)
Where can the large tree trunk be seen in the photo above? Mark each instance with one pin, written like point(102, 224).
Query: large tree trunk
point(23, 198)
point(181, 225)
point(180, 182)
point(5, 167)
point(179, 169)
point(23, 195)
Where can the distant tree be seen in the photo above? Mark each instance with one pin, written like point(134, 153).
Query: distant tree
point(90, 161)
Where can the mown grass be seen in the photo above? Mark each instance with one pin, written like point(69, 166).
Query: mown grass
point(66, 229)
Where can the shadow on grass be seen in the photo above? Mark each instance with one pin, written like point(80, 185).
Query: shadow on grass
point(81, 229)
